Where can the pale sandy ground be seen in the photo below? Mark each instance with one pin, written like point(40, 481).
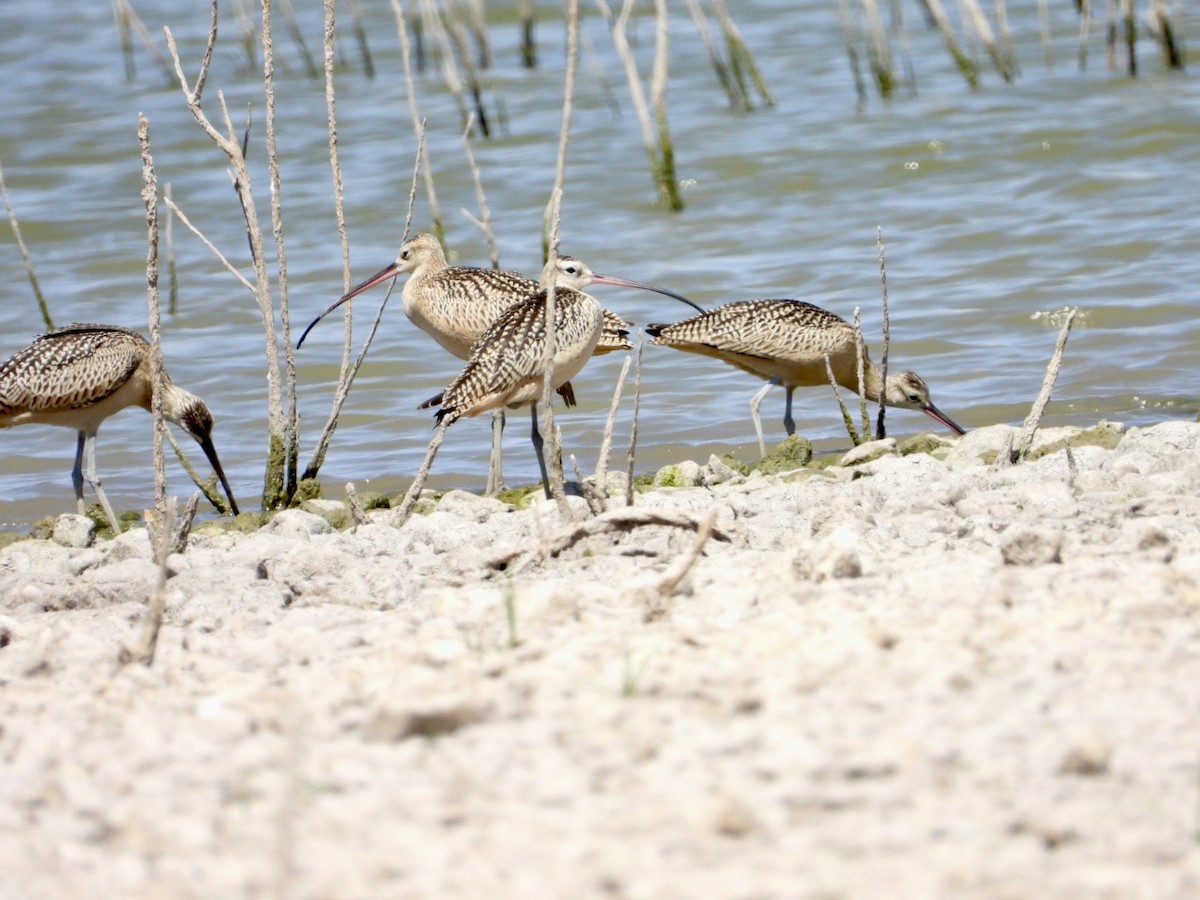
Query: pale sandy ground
point(918, 677)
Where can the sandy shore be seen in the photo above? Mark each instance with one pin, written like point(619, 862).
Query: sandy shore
point(921, 676)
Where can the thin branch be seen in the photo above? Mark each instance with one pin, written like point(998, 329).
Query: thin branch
point(414, 491)
point(484, 221)
point(33, 282)
point(221, 257)
point(880, 429)
point(637, 405)
point(1024, 440)
point(606, 440)
point(435, 213)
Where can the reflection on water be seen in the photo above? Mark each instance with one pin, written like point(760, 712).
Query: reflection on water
point(998, 208)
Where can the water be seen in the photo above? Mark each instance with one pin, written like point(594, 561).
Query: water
point(999, 208)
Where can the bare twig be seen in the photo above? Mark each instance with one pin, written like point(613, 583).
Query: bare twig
point(637, 404)
point(435, 213)
point(360, 37)
point(292, 419)
point(221, 257)
point(356, 508)
point(160, 534)
point(860, 363)
point(964, 63)
point(671, 578)
point(606, 440)
point(33, 282)
point(273, 481)
point(615, 520)
point(837, 395)
point(414, 491)
point(880, 428)
point(1024, 439)
point(183, 528)
point(484, 220)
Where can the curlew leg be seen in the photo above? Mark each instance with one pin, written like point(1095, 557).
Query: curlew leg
point(87, 444)
point(536, 437)
point(789, 424)
point(754, 404)
point(495, 481)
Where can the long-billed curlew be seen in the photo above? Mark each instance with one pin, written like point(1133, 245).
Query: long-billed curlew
point(80, 375)
point(455, 304)
point(506, 366)
point(786, 342)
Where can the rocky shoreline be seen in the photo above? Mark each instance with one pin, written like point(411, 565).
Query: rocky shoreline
point(889, 674)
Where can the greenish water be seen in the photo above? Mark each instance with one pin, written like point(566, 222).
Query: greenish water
point(999, 208)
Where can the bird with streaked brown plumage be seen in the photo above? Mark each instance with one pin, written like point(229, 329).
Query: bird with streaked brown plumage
point(78, 376)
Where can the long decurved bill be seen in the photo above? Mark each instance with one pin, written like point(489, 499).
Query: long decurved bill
point(934, 413)
point(622, 282)
point(389, 271)
point(210, 451)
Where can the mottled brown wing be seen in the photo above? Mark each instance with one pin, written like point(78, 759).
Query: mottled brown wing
point(70, 368)
point(772, 329)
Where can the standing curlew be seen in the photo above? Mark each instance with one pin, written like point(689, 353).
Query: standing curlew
point(80, 375)
point(786, 342)
point(506, 366)
point(455, 304)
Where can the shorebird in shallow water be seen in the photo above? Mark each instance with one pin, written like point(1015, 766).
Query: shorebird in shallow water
point(78, 376)
point(455, 304)
point(786, 342)
point(506, 366)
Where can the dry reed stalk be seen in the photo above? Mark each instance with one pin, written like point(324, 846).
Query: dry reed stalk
point(601, 475)
point(528, 19)
point(1162, 28)
point(631, 455)
point(878, 52)
point(360, 38)
point(591, 496)
point(1044, 32)
point(435, 213)
point(555, 208)
point(356, 508)
point(273, 481)
point(164, 510)
point(733, 89)
point(965, 65)
point(880, 429)
point(249, 32)
point(183, 527)
point(1024, 439)
point(457, 29)
point(29, 273)
point(297, 36)
point(346, 377)
point(976, 20)
point(860, 364)
point(741, 61)
point(172, 269)
point(847, 419)
point(431, 22)
point(485, 214)
point(129, 21)
point(1085, 24)
point(660, 155)
point(414, 490)
point(848, 36)
point(292, 419)
point(216, 251)
point(150, 201)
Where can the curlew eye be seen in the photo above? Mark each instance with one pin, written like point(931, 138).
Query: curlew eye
point(405, 254)
point(571, 270)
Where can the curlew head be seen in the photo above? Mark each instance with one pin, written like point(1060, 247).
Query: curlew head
point(908, 390)
point(415, 253)
point(191, 414)
point(574, 274)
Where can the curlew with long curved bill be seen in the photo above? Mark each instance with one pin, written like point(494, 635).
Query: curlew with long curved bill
point(786, 342)
point(77, 377)
point(455, 305)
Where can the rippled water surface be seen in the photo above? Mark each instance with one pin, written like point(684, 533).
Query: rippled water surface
point(999, 208)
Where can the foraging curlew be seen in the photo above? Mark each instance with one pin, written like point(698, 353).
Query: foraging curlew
point(455, 305)
point(786, 342)
point(80, 375)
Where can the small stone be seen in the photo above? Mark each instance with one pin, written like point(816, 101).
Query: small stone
point(872, 450)
point(834, 556)
point(719, 472)
point(793, 453)
point(1031, 546)
point(72, 530)
point(335, 512)
point(297, 523)
point(1088, 758)
point(684, 474)
point(389, 726)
